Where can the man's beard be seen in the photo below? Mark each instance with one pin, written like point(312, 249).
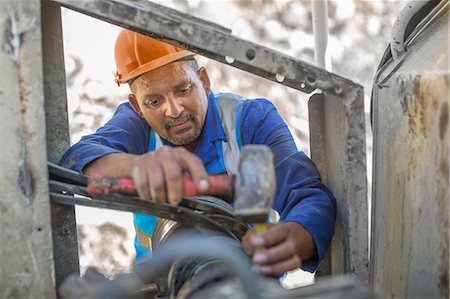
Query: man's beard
point(182, 118)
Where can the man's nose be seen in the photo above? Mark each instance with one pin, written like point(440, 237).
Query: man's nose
point(174, 108)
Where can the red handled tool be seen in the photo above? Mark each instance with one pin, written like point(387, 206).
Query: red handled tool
point(251, 189)
point(219, 185)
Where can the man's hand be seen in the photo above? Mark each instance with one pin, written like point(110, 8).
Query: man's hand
point(285, 245)
point(158, 176)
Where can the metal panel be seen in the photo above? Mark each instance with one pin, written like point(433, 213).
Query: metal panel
point(26, 259)
point(337, 136)
point(340, 154)
point(65, 243)
point(410, 240)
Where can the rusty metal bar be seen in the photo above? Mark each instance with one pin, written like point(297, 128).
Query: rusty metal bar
point(212, 41)
point(338, 149)
point(64, 228)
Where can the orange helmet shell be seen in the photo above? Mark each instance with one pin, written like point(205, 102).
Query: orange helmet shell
point(136, 54)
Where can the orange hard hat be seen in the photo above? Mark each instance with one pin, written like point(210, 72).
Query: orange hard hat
point(136, 54)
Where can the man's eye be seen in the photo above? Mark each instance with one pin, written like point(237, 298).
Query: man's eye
point(185, 89)
point(153, 103)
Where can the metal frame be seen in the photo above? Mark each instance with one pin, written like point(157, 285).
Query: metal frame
point(63, 221)
point(337, 118)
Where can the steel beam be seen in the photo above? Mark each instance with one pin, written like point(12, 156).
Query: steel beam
point(26, 257)
point(210, 40)
point(338, 149)
point(64, 228)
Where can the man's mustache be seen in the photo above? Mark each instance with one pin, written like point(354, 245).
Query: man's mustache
point(170, 122)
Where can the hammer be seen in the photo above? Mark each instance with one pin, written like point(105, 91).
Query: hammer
point(255, 187)
point(252, 188)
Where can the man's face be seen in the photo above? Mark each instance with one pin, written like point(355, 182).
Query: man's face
point(173, 101)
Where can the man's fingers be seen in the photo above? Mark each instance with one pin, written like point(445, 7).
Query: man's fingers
point(173, 174)
point(287, 244)
point(278, 269)
point(246, 243)
point(156, 185)
point(273, 236)
point(159, 176)
point(251, 240)
point(141, 182)
point(149, 180)
point(275, 254)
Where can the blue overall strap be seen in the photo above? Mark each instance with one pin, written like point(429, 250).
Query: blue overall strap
point(219, 165)
point(145, 224)
point(239, 114)
point(230, 107)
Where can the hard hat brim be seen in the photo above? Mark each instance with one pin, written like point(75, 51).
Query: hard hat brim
point(152, 65)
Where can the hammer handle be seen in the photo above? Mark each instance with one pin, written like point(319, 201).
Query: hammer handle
point(102, 185)
point(260, 228)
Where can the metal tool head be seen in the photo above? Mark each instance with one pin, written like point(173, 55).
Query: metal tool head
point(255, 183)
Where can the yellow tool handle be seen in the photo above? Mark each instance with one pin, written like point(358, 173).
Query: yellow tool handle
point(260, 228)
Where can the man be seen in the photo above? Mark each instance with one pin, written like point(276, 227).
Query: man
point(174, 124)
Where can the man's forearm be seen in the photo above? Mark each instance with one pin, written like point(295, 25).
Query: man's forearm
point(117, 164)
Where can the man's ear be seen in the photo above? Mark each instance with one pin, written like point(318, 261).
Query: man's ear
point(204, 78)
point(134, 103)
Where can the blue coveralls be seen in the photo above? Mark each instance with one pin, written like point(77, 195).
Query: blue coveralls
point(300, 196)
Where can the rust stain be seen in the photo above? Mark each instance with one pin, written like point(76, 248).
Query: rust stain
point(432, 119)
point(427, 92)
point(443, 277)
point(395, 225)
point(416, 112)
point(407, 90)
point(443, 121)
point(21, 27)
point(419, 182)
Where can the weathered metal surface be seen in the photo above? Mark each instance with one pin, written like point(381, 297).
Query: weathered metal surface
point(26, 259)
point(210, 40)
point(65, 244)
point(337, 136)
point(410, 240)
point(58, 139)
